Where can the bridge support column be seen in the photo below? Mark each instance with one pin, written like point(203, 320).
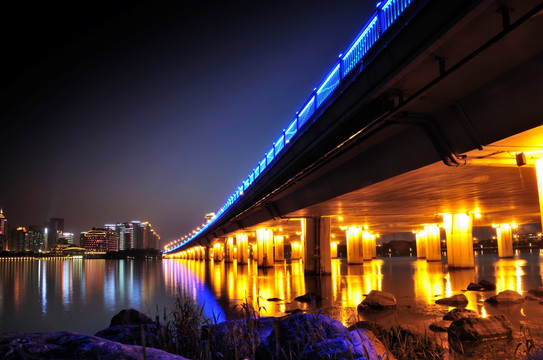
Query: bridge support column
point(459, 240)
point(218, 252)
point(333, 249)
point(354, 245)
point(368, 245)
point(207, 251)
point(316, 235)
point(296, 252)
point(242, 244)
point(422, 239)
point(279, 248)
point(264, 239)
point(539, 175)
point(433, 243)
point(504, 234)
point(229, 250)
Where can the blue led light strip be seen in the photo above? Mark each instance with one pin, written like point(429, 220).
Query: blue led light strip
point(385, 14)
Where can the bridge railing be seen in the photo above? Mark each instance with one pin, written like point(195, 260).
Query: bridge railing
point(386, 13)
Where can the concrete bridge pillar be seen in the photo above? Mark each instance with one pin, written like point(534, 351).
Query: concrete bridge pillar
point(279, 248)
point(333, 249)
point(368, 241)
point(459, 240)
point(242, 244)
point(229, 250)
point(433, 243)
point(207, 251)
point(539, 175)
point(316, 236)
point(504, 234)
point(218, 252)
point(254, 247)
point(296, 252)
point(421, 238)
point(354, 245)
point(264, 239)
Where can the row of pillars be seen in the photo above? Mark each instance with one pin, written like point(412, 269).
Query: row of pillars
point(316, 248)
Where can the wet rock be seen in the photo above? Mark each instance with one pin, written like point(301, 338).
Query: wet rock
point(294, 311)
point(275, 299)
point(469, 330)
point(315, 336)
point(132, 327)
point(309, 297)
point(130, 317)
point(506, 297)
point(458, 313)
point(378, 300)
point(70, 345)
point(538, 291)
point(475, 287)
point(487, 285)
point(149, 334)
point(440, 326)
point(531, 297)
point(455, 300)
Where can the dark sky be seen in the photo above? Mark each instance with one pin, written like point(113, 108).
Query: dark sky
point(152, 111)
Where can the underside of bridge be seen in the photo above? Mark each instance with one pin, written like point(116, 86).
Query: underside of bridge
point(446, 116)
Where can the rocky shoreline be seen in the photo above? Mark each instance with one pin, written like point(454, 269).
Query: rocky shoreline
point(134, 335)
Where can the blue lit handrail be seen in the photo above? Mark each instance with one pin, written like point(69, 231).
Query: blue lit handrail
point(386, 13)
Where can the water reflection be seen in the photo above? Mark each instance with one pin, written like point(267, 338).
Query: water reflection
point(60, 294)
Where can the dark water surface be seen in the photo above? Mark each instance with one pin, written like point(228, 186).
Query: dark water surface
point(82, 295)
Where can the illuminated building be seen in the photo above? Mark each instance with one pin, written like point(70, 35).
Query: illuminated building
point(18, 241)
point(135, 235)
point(100, 240)
point(36, 234)
point(3, 230)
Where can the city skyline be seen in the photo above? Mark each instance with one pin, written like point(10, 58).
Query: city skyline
point(149, 111)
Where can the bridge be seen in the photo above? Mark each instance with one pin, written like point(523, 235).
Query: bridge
point(430, 122)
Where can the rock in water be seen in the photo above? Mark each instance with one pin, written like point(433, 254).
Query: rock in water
point(477, 329)
point(455, 300)
point(506, 297)
point(458, 313)
point(308, 298)
point(378, 300)
point(475, 287)
point(538, 291)
point(70, 345)
point(487, 285)
point(130, 317)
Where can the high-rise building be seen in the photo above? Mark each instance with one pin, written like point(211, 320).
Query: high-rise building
point(55, 228)
point(3, 231)
point(18, 240)
point(100, 240)
point(36, 234)
point(125, 235)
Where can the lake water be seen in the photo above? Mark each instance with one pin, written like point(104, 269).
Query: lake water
point(82, 295)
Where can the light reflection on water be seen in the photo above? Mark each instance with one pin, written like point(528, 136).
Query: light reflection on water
point(83, 295)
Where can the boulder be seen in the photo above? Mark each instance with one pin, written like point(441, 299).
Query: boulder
point(455, 300)
point(458, 313)
point(440, 326)
point(487, 285)
point(506, 297)
point(471, 329)
point(149, 334)
point(315, 336)
point(378, 300)
point(475, 287)
point(132, 327)
point(70, 345)
point(309, 297)
point(130, 317)
point(538, 291)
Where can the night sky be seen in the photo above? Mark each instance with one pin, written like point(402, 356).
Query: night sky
point(157, 112)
